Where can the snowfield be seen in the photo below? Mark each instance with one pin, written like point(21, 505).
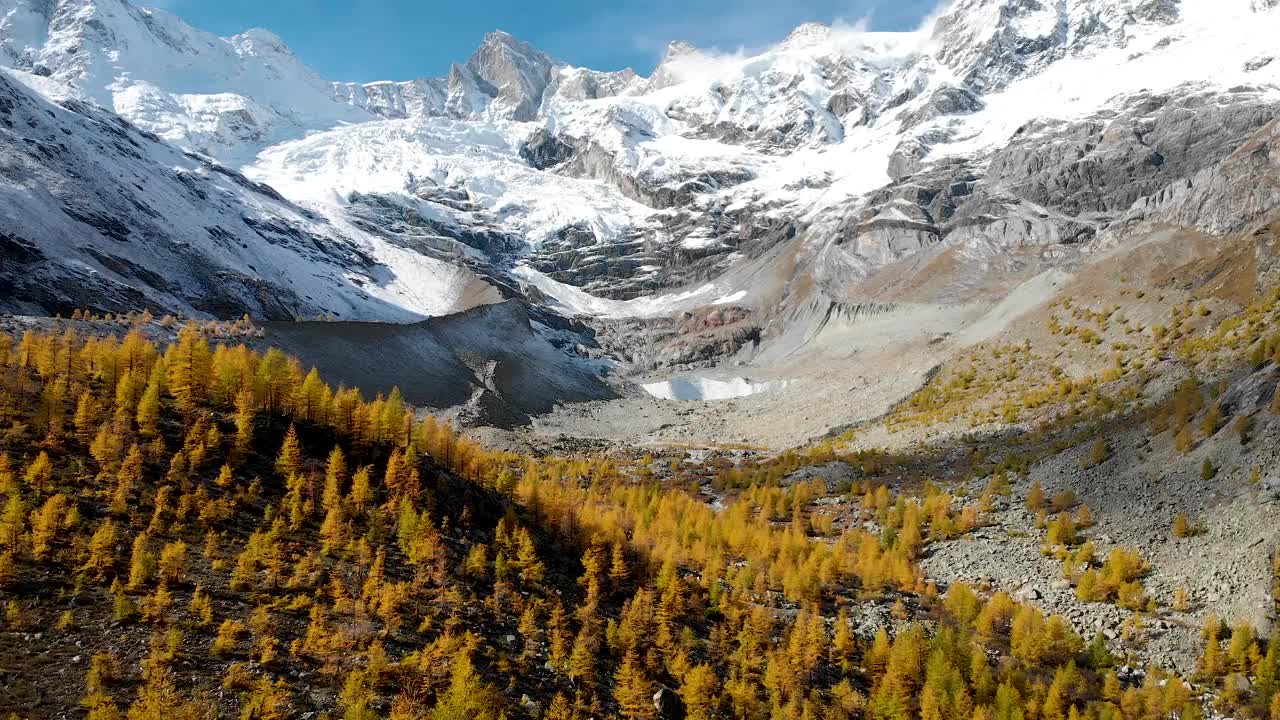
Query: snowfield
point(392, 156)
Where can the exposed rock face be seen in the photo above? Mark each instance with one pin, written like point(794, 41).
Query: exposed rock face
point(854, 162)
point(517, 73)
point(505, 78)
point(947, 100)
point(1225, 198)
point(990, 43)
point(572, 84)
point(1172, 158)
point(545, 151)
point(1105, 164)
point(209, 94)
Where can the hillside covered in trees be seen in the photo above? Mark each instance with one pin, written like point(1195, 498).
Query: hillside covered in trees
point(201, 530)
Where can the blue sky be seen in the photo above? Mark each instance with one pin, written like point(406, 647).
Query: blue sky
point(364, 40)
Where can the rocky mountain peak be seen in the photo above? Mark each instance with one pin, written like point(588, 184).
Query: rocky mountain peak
point(664, 74)
point(517, 71)
point(808, 34)
point(261, 43)
point(677, 49)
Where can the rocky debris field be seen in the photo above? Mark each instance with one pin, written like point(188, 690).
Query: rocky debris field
point(1134, 497)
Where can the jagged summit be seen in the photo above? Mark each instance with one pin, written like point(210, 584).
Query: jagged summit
point(505, 78)
point(517, 73)
point(807, 34)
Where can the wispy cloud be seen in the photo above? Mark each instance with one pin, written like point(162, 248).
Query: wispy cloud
point(744, 26)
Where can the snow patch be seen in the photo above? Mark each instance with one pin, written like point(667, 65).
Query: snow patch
point(705, 388)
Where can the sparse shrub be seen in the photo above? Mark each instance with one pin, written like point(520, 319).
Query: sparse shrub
point(1117, 580)
point(1097, 455)
point(1243, 426)
point(1183, 441)
point(15, 617)
point(124, 608)
point(1181, 600)
point(1084, 517)
point(228, 635)
point(1181, 526)
point(238, 677)
point(1063, 501)
point(1212, 420)
point(1131, 596)
point(1061, 531)
point(1036, 497)
point(201, 607)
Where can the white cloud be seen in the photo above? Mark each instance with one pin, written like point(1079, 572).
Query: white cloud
point(740, 28)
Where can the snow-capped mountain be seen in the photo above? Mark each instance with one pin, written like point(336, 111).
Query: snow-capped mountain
point(504, 79)
point(97, 213)
point(223, 97)
point(1001, 137)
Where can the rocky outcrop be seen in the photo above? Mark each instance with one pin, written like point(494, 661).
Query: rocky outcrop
point(514, 73)
point(1102, 165)
point(689, 340)
point(1240, 191)
point(668, 705)
point(1189, 158)
point(571, 84)
point(544, 150)
point(946, 100)
point(404, 225)
point(505, 78)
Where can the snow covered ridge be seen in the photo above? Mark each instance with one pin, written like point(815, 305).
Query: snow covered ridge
point(95, 213)
point(613, 195)
point(223, 97)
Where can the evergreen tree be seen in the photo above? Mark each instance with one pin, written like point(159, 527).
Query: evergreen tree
point(289, 461)
point(468, 696)
point(13, 523)
point(335, 477)
point(633, 690)
point(39, 475)
point(361, 490)
point(189, 363)
point(148, 414)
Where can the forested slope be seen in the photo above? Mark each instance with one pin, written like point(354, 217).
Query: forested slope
point(200, 531)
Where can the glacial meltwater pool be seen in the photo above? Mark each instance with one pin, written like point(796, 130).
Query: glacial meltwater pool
point(704, 388)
